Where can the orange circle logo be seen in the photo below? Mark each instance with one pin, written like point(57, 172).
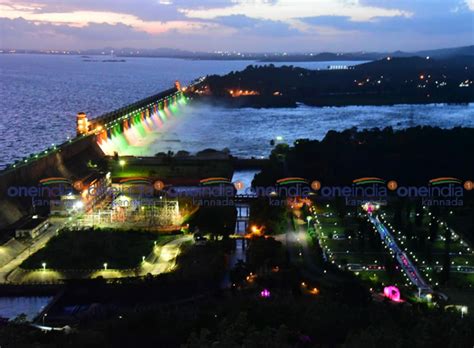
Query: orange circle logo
point(239, 185)
point(316, 185)
point(158, 185)
point(78, 185)
point(392, 185)
point(469, 185)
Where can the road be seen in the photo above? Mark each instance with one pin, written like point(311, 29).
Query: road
point(161, 260)
point(403, 260)
point(299, 247)
point(37, 244)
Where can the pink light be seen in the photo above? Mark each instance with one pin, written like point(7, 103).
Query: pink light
point(391, 292)
point(265, 293)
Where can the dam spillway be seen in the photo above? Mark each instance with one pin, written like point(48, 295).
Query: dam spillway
point(111, 133)
point(120, 134)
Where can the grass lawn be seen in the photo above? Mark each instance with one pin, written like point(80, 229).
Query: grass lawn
point(90, 249)
point(364, 259)
point(380, 277)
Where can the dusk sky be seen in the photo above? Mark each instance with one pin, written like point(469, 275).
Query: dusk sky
point(237, 25)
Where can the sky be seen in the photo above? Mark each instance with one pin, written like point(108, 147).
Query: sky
point(237, 25)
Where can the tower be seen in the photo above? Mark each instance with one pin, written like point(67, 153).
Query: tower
point(82, 125)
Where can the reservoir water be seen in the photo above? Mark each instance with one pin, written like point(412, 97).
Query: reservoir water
point(247, 132)
point(11, 307)
point(40, 95)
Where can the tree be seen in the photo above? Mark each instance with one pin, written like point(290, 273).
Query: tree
point(215, 220)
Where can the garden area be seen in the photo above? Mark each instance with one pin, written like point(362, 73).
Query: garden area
point(350, 242)
point(92, 248)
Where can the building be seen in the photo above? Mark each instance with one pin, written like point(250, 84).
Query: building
point(95, 189)
point(82, 124)
point(32, 227)
point(338, 67)
point(87, 193)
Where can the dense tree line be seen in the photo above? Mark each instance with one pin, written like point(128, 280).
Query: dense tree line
point(387, 81)
point(410, 156)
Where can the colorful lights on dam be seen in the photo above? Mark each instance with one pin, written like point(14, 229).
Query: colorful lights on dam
point(130, 130)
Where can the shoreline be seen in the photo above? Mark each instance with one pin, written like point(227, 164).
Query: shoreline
point(270, 103)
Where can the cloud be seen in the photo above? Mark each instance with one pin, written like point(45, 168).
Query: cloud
point(258, 27)
point(21, 33)
point(16, 32)
point(146, 10)
point(283, 10)
point(442, 24)
point(82, 18)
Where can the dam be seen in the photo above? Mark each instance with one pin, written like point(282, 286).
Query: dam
point(101, 145)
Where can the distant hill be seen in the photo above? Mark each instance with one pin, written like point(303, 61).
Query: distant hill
point(448, 52)
point(262, 57)
point(357, 56)
point(396, 80)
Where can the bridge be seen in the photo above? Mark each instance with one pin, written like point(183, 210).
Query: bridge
point(403, 260)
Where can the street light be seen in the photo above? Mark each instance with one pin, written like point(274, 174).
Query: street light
point(463, 311)
point(122, 163)
point(308, 218)
point(44, 317)
point(143, 258)
point(44, 266)
point(105, 266)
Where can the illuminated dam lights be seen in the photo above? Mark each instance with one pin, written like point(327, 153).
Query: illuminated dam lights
point(129, 132)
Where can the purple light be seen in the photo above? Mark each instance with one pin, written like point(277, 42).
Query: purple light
point(265, 293)
point(391, 292)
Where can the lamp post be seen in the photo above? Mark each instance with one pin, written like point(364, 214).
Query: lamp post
point(463, 311)
point(122, 164)
point(44, 266)
point(308, 219)
point(105, 266)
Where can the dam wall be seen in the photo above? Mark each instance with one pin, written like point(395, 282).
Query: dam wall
point(72, 159)
point(68, 160)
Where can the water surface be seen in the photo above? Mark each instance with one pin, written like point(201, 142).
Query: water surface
point(41, 94)
point(11, 307)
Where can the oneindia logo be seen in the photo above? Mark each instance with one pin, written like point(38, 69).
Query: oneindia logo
point(369, 180)
point(55, 181)
point(49, 187)
point(215, 181)
point(442, 191)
